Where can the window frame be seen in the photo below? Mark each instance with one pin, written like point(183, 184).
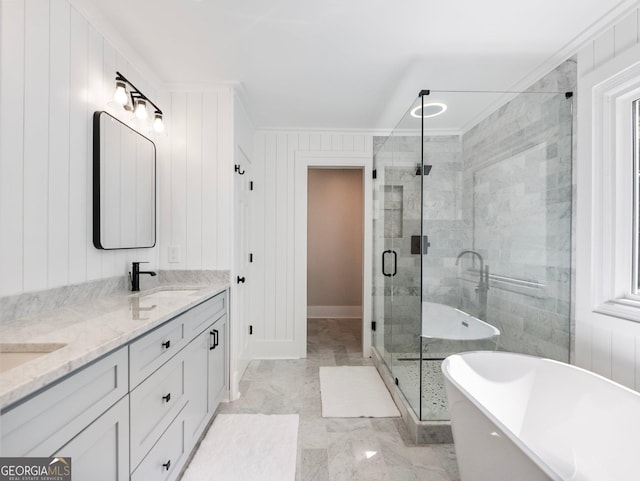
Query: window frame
point(605, 196)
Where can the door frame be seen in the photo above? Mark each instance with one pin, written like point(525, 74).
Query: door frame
point(330, 160)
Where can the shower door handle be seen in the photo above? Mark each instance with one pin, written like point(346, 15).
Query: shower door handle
point(383, 254)
point(395, 263)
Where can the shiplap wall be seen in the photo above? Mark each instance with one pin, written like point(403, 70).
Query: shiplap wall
point(56, 71)
point(197, 179)
point(273, 296)
point(608, 346)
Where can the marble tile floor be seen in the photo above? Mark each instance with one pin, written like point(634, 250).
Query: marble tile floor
point(333, 449)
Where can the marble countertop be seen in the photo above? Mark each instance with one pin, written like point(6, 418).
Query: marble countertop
point(88, 331)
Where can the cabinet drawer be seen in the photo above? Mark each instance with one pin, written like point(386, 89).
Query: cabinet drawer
point(166, 459)
point(154, 349)
point(50, 419)
point(201, 316)
point(154, 404)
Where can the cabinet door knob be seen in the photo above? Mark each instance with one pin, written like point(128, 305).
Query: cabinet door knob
point(167, 398)
point(167, 465)
point(167, 344)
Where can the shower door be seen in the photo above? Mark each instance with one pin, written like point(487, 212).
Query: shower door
point(397, 274)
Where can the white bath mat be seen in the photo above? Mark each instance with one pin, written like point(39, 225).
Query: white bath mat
point(247, 447)
point(355, 392)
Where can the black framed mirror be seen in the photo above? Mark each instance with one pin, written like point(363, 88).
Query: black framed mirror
point(124, 186)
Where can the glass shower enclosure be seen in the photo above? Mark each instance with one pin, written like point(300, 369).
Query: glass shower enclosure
point(472, 233)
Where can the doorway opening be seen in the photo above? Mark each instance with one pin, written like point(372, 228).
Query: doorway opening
point(335, 254)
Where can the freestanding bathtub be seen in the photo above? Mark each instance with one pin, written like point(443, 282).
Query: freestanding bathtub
point(440, 321)
point(522, 418)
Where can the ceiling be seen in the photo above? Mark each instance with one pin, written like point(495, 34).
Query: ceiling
point(349, 63)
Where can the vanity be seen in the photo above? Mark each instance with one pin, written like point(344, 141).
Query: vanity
point(127, 393)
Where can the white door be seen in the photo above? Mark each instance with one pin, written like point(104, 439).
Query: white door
point(241, 281)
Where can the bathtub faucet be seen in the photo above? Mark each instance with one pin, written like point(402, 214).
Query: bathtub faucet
point(483, 283)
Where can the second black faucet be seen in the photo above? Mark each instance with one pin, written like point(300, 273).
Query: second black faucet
point(134, 275)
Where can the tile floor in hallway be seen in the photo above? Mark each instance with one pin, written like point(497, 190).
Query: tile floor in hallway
point(337, 449)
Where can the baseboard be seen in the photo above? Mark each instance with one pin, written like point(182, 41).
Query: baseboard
point(334, 312)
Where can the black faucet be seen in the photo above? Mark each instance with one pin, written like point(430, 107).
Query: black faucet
point(483, 284)
point(135, 275)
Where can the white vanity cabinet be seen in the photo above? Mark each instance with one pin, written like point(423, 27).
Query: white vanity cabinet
point(171, 407)
point(136, 413)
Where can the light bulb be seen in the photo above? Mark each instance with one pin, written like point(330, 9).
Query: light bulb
point(141, 109)
point(120, 95)
point(158, 124)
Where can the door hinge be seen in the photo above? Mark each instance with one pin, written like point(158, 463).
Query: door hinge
point(250, 330)
point(397, 382)
point(373, 325)
point(375, 173)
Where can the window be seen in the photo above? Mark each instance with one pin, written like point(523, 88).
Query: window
point(608, 194)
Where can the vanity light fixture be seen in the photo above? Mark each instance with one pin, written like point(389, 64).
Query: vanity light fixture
point(141, 109)
point(158, 124)
point(139, 102)
point(436, 109)
point(120, 95)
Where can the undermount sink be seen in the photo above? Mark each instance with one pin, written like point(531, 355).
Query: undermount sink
point(171, 293)
point(15, 354)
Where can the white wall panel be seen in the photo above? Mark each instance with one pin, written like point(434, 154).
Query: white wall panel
point(271, 289)
point(194, 133)
point(59, 106)
point(110, 266)
point(623, 363)
point(610, 43)
point(608, 346)
point(36, 143)
point(314, 142)
point(274, 164)
point(209, 178)
point(293, 145)
point(224, 186)
point(196, 202)
point(281, 255)
point(178, 203)
point(11, 145)
point(78, 149)
point(626, 33)
point(348, 143)
point(604, 47)
point(55, 71)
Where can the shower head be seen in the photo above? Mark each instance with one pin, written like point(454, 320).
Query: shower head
point(427, 169)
